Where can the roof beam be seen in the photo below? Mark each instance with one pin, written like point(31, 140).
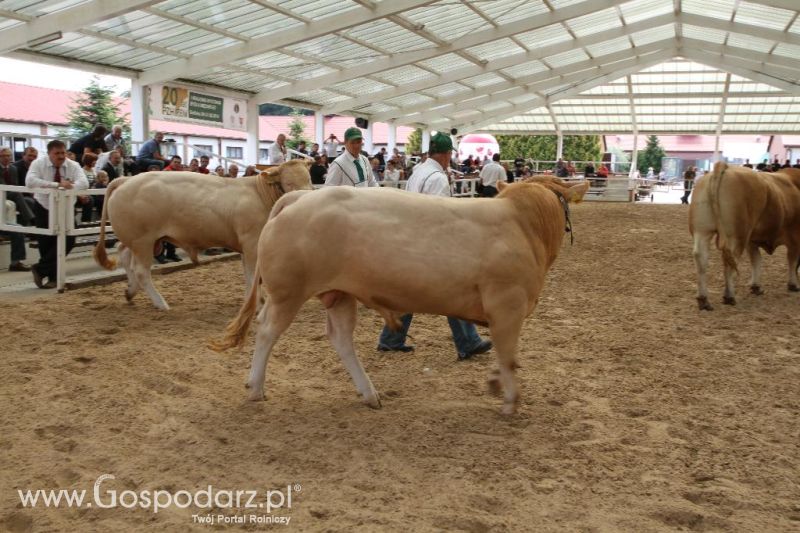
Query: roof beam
point(634, 122)
point(721, 119)
point(740, 68)
point(58, 61)
point(66, 20)
point(640, 63)
point(522, 85)
point(497, 64)
point(743, 53)
point(405, 58)
point(789, 5)
point(353, 17)
point(738, 27)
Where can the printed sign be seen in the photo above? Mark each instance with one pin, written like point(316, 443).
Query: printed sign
point(182, 104)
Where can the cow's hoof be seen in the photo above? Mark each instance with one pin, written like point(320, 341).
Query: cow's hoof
point(794, 288)
point(703, 305)
point(729, 300)
point(373, 401)
point(756, 289)
point(128, 296)
point(509, 408)
point(256, 396)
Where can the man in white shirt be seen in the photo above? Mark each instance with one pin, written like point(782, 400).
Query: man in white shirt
point(352, 167)
point(490, 175)
point(277, 152)
point(431, 178)
point(52, 172)
point(331, 146)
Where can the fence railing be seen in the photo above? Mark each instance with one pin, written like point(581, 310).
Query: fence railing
point(61, 223)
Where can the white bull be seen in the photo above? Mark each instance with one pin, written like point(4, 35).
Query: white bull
point(193, 211)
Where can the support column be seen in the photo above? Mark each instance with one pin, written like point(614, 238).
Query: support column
point(634, 155)
point(717, 154)
point(426, 140)
point(140, 113)
point(251, 151)
point(392, 142)
point(369, 147)
point(319, 129)
point(560, 146)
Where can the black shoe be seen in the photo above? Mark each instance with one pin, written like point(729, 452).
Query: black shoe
point(49, 285)
point(175, 258)
point(483, 347)
point(19, 266)
point(37, 278)
point(161, 259)
point(405, 348)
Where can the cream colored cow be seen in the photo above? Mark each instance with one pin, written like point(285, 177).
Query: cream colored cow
point(482, 260)
point(745, 210)
point(193, 211)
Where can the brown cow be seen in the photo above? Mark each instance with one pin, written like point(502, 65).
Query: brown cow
point(746, 210)
point(482, 260)
point(192, 211)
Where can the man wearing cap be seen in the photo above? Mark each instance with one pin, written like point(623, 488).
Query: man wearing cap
point(351, 168)
point(431, 178)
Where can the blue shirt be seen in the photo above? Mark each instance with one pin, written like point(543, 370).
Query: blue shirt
point(148, 150)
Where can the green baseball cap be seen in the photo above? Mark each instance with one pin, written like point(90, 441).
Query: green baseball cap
point(352, 134)
point(440, 143)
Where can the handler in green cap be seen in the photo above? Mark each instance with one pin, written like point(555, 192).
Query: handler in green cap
point(431, 178)
point(351, 168)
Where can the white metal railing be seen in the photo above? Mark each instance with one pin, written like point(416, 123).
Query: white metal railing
point(61, 224)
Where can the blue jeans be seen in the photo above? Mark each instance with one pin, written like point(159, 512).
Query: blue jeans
point(465, 335)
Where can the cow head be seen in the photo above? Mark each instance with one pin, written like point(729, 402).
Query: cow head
point(290, 176)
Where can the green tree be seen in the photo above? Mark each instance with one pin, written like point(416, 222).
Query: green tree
point(296, 129)
point(544, 147)
point(94, 105)
point(651, 156)
point(414, 142)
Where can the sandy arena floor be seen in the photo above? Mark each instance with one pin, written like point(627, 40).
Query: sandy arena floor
point(638, 413)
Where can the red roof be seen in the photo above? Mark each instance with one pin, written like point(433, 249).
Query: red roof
point(50, 106)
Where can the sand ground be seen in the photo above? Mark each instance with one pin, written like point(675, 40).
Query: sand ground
point(638, 412)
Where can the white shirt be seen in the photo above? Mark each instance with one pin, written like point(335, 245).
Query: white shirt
point(492, 173)
point(429, 178)
point(42, 172)
point(391, 175)
point(276, 155)
point(330, 148)
point(343, 171)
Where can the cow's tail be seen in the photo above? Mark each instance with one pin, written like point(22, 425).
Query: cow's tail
point(236, 331)
point(713, 187)
point(100, 255)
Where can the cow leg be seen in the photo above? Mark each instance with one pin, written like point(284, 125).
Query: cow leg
point(793, 258)
point(505, 324)
point(126, 261)
point(755, 277)
point(729, 296)
point(273, 319)
point(249, 266)
point(341, 325)
point(142, 261)
point(700, 252)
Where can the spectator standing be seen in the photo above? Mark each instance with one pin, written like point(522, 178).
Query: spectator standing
point(251, 170)
point(194, 165)
point(220, 171)
point(376, 169)
point(301, 147)
point(233, 171)
point(277, 152)
point(490, 174)
point(747, 163)
point(54, 171)
point(314, 150)
point(318, 171)
point(688, 182)
point(332, 147)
